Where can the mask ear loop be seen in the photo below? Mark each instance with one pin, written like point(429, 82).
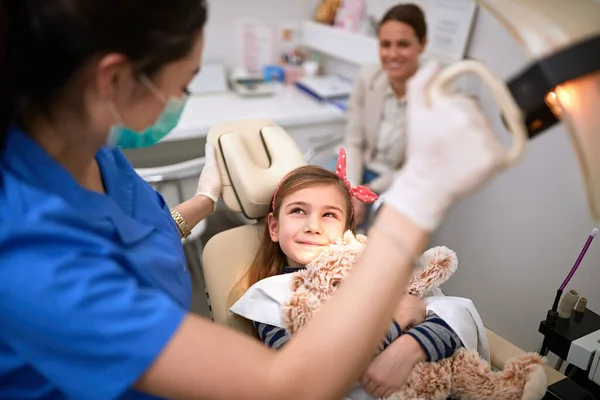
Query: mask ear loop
point(152, 88)
point(112, 108)
point(149, 85)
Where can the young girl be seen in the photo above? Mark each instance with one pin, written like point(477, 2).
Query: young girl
point(312, 207)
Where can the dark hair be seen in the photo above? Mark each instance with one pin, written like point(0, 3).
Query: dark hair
point(44, 44)
point(411, 15)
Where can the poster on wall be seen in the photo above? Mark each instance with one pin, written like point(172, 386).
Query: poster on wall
point(260, 43)
point(256, 43)
point(450, 25)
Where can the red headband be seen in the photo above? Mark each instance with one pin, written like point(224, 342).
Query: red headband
point(362, 193)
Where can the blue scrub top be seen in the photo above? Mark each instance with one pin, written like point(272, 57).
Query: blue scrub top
point(92, 286)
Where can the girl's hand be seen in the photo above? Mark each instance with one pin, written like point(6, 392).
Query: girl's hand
point(410, 312)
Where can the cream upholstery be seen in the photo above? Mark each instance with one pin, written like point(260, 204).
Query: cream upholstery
point(226, 258)
point(501, 350)
point(253, 156)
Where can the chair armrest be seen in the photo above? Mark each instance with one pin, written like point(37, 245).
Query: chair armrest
point(502, 350)
point(182, 170)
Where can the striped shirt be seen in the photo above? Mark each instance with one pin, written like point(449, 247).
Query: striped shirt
point(434, 335)
point(436, 338)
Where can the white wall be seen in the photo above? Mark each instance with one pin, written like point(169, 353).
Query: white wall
point(220, 44)
point(517, 239)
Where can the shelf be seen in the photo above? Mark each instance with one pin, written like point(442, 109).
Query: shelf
point(351, 47)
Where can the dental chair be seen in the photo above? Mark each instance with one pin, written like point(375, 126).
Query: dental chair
point(253, 156)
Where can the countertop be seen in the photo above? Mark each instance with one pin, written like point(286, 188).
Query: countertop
point(288, 107)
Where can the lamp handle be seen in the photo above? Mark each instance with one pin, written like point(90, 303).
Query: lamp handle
point(439, 90)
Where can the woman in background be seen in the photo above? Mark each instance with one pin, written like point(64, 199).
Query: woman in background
point(375, 138)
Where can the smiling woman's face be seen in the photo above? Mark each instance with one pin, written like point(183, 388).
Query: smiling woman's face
point(399, 50)
point(308, 220)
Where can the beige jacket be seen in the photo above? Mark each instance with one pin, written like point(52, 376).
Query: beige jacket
point(364, 120)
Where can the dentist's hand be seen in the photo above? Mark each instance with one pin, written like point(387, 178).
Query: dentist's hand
point(451, 151)
point(209, 184)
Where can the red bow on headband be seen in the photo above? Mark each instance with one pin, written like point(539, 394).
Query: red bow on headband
point(362, 193)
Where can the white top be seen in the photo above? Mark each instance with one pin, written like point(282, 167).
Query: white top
point(288, 107)
point(392, 135)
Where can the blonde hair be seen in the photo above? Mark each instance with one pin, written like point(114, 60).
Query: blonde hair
point(270, 259)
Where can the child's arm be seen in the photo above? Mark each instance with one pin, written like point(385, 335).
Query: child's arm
point(275, 337)
point(393, 333)
point(436, 338)
point(272, 336)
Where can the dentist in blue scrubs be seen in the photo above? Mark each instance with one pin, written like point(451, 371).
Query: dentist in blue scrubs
point(94, 289)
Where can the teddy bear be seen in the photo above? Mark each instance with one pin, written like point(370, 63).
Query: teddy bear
point(464, 375)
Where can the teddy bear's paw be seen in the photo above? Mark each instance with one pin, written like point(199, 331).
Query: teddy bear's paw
point(526, 372)
point(429, 381)
point(472, 376)
point(411, 394)
point(405, 393)
point(537, 383)
point(475, 379)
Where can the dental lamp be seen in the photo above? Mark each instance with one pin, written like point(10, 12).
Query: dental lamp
point(561, 82)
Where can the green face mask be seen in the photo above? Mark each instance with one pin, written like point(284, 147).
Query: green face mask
point(123, 137)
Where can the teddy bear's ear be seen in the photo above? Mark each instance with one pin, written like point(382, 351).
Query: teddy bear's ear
point(348, 236)
point(343, 240)
point(355, 244)
point(361, 238)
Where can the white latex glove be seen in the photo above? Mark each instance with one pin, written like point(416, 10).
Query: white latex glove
point(209, 184)
point(451, 151)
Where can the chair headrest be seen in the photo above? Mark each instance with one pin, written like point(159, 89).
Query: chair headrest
point(253, 156)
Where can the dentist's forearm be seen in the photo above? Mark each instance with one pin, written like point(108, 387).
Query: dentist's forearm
point(341, 351)
point(195, 210)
